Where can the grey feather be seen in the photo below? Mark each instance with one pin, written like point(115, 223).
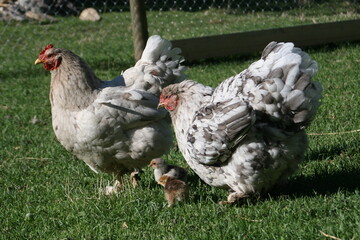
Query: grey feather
point(115, 126)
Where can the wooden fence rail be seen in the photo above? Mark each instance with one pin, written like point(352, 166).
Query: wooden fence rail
point(249, 42)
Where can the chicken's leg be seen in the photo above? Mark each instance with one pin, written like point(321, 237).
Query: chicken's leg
point(134, 177)
point(118, 186)
point(170, 199)
point(234, 197)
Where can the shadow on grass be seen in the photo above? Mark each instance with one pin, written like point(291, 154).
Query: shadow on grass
point(324, 183)
point(324, 153)
point(302, 186)
point(329, 152)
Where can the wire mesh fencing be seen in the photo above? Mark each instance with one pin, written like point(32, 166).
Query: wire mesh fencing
point(213, 17)
point(27, 25)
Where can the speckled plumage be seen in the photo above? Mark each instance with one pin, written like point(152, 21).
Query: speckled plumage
point(248, 134)
point(114, 126)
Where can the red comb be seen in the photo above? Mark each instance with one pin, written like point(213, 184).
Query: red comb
point(46, 48)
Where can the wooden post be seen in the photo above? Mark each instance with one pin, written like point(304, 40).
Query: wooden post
point(139, 26)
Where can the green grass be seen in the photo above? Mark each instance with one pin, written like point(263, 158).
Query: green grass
point(219, 21)
point(46, 193)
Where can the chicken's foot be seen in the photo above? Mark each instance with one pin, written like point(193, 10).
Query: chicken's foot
point(134, 177)
point(118, 186)
point(234, 197)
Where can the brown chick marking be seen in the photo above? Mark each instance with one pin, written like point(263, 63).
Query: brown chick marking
point(175, 190)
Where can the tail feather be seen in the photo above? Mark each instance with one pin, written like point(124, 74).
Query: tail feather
point(159, 66)
point(154, 50)
point(287, 92)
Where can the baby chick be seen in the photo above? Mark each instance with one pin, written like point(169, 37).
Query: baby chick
point(175, 189)
point(162, 168)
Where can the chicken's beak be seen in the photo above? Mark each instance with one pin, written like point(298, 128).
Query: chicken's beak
point(37, 61)
point(161, 105)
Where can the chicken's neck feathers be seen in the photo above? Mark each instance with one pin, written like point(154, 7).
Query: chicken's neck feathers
point(192, 96)
point(74, 86)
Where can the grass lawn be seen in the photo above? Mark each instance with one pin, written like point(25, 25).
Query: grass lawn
point(46, 193)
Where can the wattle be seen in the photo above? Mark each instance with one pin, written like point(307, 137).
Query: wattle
point(50, 67)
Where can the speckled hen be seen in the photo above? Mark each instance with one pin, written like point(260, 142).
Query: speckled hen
point(248, 134)
point(113, 126)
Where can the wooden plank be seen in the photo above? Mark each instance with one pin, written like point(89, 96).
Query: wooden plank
point(139, 26)
point(249, 42)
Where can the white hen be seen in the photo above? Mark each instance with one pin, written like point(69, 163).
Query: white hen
point(113, 126)
point(248, 134)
